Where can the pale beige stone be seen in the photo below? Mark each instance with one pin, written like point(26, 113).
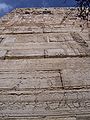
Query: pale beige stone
point(30, 80)
point(40, 118)
point(44, 65)
point(25, 54)
point(2, 54)
point(55, 52)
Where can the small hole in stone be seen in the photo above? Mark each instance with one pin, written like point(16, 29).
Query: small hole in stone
point(27, 12)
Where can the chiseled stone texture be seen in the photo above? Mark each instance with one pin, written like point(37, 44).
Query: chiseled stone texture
point(41, 118)
point(44, 65)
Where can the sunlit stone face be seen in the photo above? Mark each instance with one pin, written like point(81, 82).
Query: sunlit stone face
point(44, 65)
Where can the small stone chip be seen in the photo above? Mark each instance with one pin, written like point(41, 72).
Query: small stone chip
point(2, 54)
point(54, 53)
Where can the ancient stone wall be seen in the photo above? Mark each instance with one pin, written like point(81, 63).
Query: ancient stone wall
point(44, 65)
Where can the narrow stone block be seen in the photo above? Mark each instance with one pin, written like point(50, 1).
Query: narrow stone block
point(25, 53)
point(55, 52)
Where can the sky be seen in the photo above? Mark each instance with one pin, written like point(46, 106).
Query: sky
point(8, 5)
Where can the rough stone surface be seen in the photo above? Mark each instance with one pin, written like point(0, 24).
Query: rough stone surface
point(44, 65)
point(3, 54)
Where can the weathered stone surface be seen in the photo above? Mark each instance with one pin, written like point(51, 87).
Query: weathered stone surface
point(25, 54)
point(44, 103)
point(44, 65)
point(76, 77)
point(39, 118)
point(55, 53)
point(30, 79)
point(68, 73)
point(51, 49)
point(2, 54)
point(83, 117)
point(37, 38)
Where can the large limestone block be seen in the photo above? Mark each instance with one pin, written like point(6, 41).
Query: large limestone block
point(20, 54)
point(76, 78)
point(30, 79)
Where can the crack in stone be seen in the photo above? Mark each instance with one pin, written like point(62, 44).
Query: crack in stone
point(60, 73)
point(1, 39)
point(76, 37)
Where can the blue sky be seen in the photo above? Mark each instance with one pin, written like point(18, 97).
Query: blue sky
point(7, 5)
